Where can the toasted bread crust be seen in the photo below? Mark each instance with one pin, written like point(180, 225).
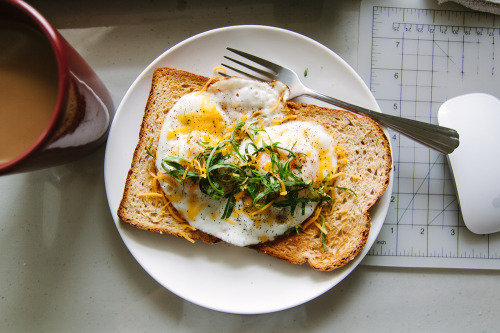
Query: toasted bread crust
point(168, 85)
point(366, 173)
point(369, 158)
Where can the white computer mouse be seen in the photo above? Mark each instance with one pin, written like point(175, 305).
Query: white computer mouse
point(475, 164)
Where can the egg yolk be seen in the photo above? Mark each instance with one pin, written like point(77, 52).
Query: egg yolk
point(208, 119)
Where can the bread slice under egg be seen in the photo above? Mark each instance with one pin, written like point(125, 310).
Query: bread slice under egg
point(366, 173)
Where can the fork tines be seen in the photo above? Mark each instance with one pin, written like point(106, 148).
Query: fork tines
point(263, 62)
point(267, 74)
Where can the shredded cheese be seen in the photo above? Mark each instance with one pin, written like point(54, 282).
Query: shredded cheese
point(203, 170)
point(149, 195)
point(170, 209)
point(183, 234)
point(271, 110)
point(338, 174)
point(256, 114)
point(230, 129)
point(342, 212)
point(283, 188)
point(194, 207)
point(219, 68)
point(263, 209)
point(158, 220)
point(311, 220)
point(261, 122)
point(206, 85)
point(320, 227)
point(284, 119)
point(154, 185)
point(185, 173)
point(189, 226)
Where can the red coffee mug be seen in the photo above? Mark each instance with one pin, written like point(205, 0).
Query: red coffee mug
point(80, 121)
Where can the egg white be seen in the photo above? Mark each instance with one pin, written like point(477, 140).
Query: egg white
point(206, 117)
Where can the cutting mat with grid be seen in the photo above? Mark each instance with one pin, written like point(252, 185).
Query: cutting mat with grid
point(414, 58)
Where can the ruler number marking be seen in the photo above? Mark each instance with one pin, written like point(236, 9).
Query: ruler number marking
point(406, 30)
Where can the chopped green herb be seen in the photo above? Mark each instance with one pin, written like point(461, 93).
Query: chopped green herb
point(347, 189)
point(305, 72)
point(296, 229)
point(148, 149)
point(225, 169)
point(323, 235)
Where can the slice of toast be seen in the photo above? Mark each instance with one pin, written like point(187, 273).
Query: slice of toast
point(366, 175)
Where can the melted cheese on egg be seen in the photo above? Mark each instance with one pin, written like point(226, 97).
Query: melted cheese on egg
point(209, 116)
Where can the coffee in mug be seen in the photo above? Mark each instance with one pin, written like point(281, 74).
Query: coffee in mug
point(28, 87)
point(53, 107)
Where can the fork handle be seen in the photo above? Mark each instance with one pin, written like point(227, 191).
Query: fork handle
point(440, 138)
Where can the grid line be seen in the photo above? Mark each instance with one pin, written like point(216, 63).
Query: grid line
point(420, 58)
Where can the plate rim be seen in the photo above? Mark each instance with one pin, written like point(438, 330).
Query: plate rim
point(147, 72)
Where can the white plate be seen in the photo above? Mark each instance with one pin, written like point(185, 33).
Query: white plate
point(223, 277)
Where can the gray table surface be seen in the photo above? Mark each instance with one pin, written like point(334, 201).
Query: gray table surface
point(65, 267)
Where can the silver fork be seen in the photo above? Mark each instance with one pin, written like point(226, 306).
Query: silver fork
point(442, 139)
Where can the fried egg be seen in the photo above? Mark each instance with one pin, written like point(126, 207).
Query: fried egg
point(202, 119)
